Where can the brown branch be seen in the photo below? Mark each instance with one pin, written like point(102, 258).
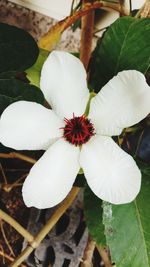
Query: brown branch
point(8, 187)
point(49, 225)
point(16, 226)
point(54, 33)
point(104, 256)
point(4, 255)
point(6, 240)
point(3, 174)
point(88, 253)
point(15, 155)
point(87, 24)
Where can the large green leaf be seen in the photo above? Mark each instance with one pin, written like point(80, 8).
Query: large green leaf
point(12, 90)
point(127, 227)
point(18, 50)
point(125, 45)
point(93, 215)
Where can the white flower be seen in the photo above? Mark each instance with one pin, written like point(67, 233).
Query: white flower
point(111, 173)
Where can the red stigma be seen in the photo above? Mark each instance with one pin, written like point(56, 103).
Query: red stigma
point(78, 130)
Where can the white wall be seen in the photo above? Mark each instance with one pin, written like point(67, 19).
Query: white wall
point(59, 9)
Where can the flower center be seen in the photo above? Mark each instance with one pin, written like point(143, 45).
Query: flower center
point(78, 130)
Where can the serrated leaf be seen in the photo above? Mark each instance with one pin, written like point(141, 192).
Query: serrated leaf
point(12, 90)
point(93, 216)
point(18, 49)
point(33, 73)
point(125, 45)
point(127, 227)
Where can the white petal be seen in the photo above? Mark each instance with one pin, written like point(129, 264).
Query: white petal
point(28, 125)
point(111, 173)
point(52, 177)
point(63, 82)
point(122, 102)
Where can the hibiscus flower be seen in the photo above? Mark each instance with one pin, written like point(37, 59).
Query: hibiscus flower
point(76, 133)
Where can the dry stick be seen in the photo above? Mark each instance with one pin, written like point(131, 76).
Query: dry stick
point(13, 155)
point(3, 174)
point(6, 240)
point(9, 257)
point(2, 250)
point(8, 187)
point(104, 256)
point(87, 24)
point(16, 226)
point(88, 253)
point(49, 225)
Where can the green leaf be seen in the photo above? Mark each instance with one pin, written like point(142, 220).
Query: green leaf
point(125, 45)
point(34, 73)
point(93, 216)
point(18, 49)
point(12, 90)
point(127, 227)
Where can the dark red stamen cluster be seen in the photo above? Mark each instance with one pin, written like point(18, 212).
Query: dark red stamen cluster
point(78, 130)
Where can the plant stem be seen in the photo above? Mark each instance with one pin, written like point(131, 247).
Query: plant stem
point(4, 216)
point(87, 24)
point(49, 225)
point(16, 155)
point(88, 253)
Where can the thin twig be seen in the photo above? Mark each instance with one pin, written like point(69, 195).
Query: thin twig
point(4, 216)
point(9, 258)
point(6, 240)
point(8, 187)
point(88, 253)
point(15, 155)
point(139, 143)
point(3, 174)
point(49, 225)
point(2, 250)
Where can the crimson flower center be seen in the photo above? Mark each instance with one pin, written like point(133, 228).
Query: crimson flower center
point(78, 130)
